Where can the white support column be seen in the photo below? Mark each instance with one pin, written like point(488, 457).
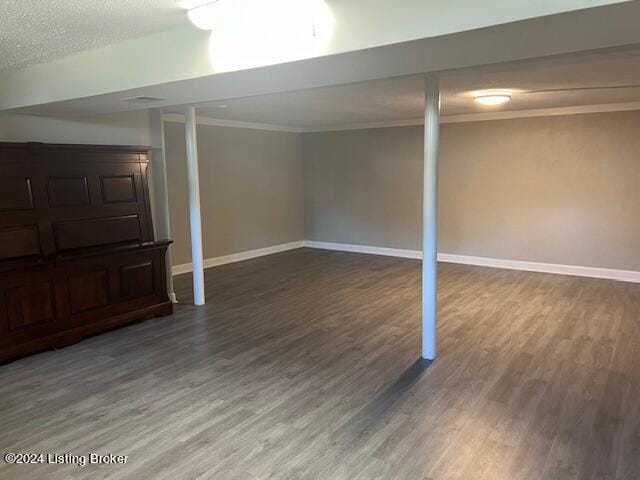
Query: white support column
point(194, 205)
point(159, 194)
point(430, 217)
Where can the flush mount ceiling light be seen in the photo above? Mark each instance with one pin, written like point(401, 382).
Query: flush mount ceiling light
point(492, 99)
point(143, 99)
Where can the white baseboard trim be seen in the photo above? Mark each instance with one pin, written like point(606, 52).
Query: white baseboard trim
point(238, 257)
point(345, 247)
point(574, 270)
point(578, 271)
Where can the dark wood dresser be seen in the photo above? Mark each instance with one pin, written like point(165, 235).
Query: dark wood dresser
point(77, 254)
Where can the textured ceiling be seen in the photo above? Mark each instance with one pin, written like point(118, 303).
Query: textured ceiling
point(34, 31)
point(611, 77)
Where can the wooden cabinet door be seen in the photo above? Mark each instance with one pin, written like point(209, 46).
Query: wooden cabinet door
point(30, 305)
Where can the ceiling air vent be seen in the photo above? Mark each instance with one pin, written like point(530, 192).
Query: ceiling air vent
point(143, 99)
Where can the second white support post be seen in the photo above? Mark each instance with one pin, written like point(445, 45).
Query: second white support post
point(159, 191)
point(430, 217)
point(195, 221)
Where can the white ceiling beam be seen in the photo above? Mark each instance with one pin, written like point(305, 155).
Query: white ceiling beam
point(183, 74)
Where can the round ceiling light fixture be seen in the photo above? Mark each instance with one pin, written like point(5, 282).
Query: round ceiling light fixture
point(492, 99)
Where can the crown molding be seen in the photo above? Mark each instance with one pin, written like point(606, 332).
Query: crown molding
point(368, 125)
point(541, 112)
point(487, 116)
point(218, 122)
point(461, 118)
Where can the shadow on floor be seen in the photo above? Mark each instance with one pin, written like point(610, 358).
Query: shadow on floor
point(373, 415)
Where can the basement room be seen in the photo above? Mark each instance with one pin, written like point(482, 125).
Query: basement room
point(320, 239)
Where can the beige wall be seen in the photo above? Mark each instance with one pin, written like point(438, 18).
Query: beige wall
point(364, 187)
point(250, 189)
point(562, 189)
point(251, 180)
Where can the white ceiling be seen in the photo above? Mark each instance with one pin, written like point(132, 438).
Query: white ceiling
point(34, 31)
point(139, 68)
point(56, 27)
point(586, 79)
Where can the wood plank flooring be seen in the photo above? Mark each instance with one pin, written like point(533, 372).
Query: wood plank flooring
point(304, 365)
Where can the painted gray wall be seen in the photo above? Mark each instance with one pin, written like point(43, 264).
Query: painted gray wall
point(251, 180)
point(250, 189)
point(562, 189)
point(364, 187)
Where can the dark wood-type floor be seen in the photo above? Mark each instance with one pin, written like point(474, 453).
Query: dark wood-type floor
point(303, 366)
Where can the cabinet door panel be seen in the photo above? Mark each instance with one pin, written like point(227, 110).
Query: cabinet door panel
point(15, 194)
point(118, 188)
point(88, 291)
point(97, 232)
point(19, 241)
point(136, 280)
point(68, 191)
point(30, 304)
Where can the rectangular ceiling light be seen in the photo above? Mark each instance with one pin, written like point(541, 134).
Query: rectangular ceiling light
point(143, 99)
